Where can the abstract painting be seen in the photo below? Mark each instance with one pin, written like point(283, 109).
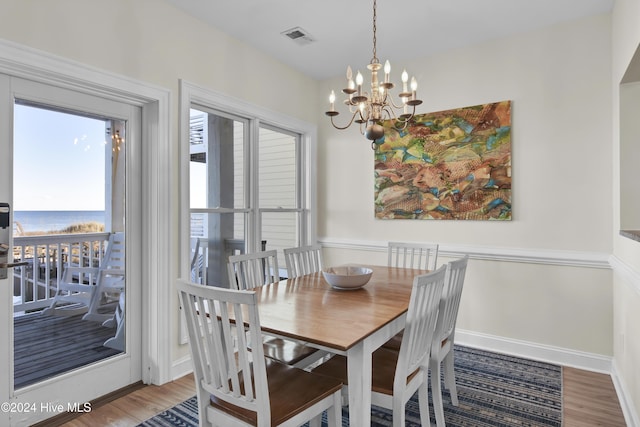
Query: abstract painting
point(453, 164)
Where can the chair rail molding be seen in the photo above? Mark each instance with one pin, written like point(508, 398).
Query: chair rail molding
point(28, 63)
point(631, 276)
point(489, 253)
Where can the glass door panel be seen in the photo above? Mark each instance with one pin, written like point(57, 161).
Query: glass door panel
point(68, 186)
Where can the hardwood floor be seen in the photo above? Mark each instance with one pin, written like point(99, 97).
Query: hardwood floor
point(589, 399)
point(42, 345)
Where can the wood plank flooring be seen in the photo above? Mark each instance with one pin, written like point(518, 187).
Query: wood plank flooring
point(43, 344)
point(589, 399)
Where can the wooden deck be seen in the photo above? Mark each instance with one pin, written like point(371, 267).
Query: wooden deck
point(45, 346)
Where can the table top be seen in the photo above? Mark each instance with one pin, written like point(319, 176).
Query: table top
point(309, 309)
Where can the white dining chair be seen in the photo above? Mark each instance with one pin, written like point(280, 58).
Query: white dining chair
point(236, 385)
point(443, 337)
point(422, 256)
point(248, 271)
point(397, 375)
point(412, 255)
point(303, 260)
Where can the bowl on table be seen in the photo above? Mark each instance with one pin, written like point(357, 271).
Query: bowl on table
point(347, 276)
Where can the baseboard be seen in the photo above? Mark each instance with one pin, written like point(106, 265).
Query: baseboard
point(181, 367)
point(628, 409)
point(529, 350)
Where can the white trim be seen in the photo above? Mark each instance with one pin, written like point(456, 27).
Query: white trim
point(534, 351)
point(181, 367)
point(628, 409)
point(26, 62)
point(531, 256)
point(630, 276)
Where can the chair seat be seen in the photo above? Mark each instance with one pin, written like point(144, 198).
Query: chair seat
point(291, 391)
point(384, 369)
point(395, 342)
point(286, 351)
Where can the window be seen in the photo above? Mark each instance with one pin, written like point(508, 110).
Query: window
point(249, 186)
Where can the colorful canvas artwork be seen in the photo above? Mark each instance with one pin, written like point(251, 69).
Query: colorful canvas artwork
point(453, 164)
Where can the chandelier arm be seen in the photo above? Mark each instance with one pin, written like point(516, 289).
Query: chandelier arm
point(348, 124)
point(391, 114)
point(390, 102)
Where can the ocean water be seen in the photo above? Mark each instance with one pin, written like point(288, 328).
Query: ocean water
point(54, 220)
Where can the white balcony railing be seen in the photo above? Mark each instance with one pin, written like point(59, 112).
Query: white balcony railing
point(35, 285)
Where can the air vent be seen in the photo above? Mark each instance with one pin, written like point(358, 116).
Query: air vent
point(298, 35)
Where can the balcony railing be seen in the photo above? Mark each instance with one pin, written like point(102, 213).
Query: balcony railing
point(35, 285)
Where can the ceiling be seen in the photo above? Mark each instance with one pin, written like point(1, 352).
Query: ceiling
point(342, 29)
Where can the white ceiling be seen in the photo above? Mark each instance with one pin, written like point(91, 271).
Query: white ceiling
point(406, 29)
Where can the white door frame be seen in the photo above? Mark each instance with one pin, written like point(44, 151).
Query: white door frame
point(157, 270)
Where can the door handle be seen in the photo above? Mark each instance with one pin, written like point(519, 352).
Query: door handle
point(14, 264)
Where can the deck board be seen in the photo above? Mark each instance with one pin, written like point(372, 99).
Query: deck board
point(45, 346)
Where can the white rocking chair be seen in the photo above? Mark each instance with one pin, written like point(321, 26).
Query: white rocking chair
point(91, 290)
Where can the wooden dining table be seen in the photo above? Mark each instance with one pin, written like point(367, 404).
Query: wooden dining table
point(353, 323)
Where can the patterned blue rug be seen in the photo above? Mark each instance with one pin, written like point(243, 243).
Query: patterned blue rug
point(493, 390)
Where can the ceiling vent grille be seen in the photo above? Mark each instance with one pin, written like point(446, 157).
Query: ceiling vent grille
point(298, 35)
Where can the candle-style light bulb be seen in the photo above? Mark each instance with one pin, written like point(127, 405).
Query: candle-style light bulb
point(387, 70)
point(350, 84)
point(359, 80)
point(405, 78)
point(332, 100)
point(414, 86)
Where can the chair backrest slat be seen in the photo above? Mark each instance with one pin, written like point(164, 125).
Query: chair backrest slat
point(303, 260)
point(420, 324)
point(450, 301)
point(247, 271)
point(412, 255)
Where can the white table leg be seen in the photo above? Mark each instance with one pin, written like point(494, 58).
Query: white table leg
point(359, 372)
point(359, 377)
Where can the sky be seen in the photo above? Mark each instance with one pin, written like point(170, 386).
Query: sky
point(59, 161)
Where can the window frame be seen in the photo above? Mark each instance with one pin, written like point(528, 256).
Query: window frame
point(192, 96)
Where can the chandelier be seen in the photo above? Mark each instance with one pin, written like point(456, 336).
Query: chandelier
point(369, 109)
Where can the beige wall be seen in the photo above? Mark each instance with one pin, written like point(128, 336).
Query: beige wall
point(558, 79)
point(626, 40)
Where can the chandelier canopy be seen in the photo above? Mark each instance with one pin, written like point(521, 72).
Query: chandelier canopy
point(370, 109)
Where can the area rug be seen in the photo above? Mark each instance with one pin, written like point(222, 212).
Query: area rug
point(493, 390)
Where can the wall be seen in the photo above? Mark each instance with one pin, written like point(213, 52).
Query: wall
point(153, 42)
point(626, 252)
point(541, 279)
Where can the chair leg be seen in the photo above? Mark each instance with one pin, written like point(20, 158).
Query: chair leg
point(316, 421)
point(450, 377)
point(334, 414)
point(436, 392)
point(423, 401)
point(398, 412)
